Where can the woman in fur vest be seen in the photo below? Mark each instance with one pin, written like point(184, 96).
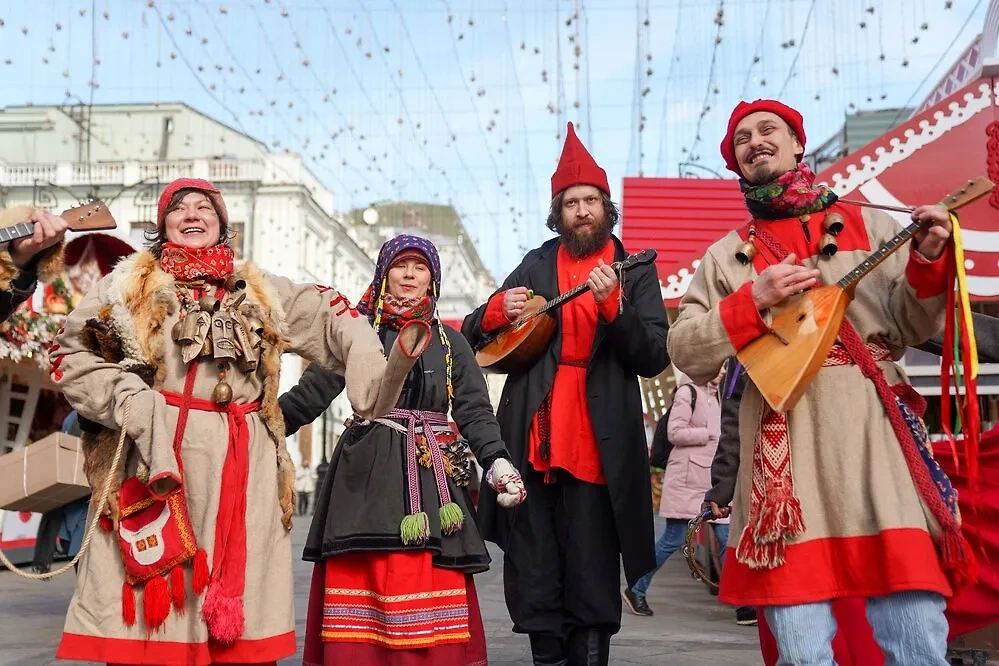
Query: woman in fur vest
point(181, 349)
point(394, 535)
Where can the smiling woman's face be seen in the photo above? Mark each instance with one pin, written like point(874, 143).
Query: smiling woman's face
point(192, 221)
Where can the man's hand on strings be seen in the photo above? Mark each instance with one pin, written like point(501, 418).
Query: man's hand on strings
point(602, 281)
point(514, 301)
point(49, 230)
point(932, 237)
point(781, 280)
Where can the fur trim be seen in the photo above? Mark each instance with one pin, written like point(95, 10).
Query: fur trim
point(260, 291)
point(49, 263)
point(8, 271)
point(129, 331)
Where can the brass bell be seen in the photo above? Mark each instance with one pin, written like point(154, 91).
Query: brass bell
point(746, 252)
point(833, 223)
point(177, 331)
point(235, 283)
point(828, 245)
point(207, 348)
point(207, 304)
point(222, 393)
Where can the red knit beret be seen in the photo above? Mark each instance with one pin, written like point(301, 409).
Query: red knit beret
point(197, 184)
point(743, 109)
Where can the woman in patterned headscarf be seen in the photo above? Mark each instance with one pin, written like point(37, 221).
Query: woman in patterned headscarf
point(393, 537)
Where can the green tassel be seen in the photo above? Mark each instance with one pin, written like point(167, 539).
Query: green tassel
point(415, 529)
point(452, 518)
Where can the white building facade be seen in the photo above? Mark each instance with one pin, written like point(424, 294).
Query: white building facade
point(284, 219)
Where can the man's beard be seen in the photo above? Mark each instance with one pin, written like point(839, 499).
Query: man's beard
point(585, 243)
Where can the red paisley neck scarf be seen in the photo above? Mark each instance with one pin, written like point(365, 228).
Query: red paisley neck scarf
point(396, 312)
point(189, 264)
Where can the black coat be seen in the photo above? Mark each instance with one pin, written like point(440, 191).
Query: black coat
point(310, 397)
point(633, 344)
point(725, 466)
point(20, 290)
point(362, 499)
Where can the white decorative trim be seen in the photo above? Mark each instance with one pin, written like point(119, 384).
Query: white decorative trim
point(981, 285)
point(677, 283)
point(900, 149)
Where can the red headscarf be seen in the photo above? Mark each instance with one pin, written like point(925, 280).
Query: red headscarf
point(197, 184)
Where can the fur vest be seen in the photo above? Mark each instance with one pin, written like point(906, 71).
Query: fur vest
point(129, 331)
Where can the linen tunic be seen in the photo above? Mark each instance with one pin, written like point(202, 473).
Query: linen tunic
point(317, 326)
point(867, 531)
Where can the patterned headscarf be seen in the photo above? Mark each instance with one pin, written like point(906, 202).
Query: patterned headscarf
point(387, 256)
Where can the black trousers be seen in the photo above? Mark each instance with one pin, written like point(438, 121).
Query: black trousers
point(561, 568)
point(303, 503)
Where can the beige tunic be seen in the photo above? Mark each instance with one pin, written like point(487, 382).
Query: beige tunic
point(331, 336)
point(866, 528)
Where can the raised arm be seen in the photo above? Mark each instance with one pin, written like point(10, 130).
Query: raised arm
point(323, 326)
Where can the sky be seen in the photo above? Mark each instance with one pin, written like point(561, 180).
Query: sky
point(465, 101)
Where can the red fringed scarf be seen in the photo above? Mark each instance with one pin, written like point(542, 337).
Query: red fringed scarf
point(189, 264)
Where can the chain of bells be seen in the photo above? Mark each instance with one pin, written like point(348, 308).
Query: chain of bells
point(223, 330)
point(832, 224)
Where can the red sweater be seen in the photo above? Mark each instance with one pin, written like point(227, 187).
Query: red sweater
point(573, 446)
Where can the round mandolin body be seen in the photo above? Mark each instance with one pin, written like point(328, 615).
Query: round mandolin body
point(519, 346)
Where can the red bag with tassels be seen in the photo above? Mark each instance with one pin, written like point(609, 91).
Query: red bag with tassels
point(156, 539)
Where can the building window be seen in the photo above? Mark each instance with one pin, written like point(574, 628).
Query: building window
point(137, 232)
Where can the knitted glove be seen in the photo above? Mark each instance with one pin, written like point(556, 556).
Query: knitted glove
point(505, 480)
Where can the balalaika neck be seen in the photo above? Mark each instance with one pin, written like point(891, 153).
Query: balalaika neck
point(19, 230)
point(850, 280)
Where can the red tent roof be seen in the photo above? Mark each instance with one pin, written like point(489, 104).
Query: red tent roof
point(679, 218)
point(922, 160)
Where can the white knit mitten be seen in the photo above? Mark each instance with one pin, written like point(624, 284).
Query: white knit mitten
point(505, 480)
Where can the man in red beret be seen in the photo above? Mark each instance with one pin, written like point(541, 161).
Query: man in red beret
point(573, 422)
point(863, 511)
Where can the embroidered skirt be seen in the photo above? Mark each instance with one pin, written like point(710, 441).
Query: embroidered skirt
point(392, 608)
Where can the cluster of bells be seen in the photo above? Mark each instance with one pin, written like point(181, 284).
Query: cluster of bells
point(832, 224)
point(223, 331)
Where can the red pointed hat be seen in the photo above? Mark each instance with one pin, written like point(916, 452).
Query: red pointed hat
point(743, 109)
point(198, 184)
point(577, 167)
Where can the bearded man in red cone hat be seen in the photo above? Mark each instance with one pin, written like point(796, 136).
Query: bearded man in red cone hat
point(864, 511)
point(573, 423)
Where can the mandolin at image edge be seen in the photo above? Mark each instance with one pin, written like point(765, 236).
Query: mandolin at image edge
point(92, 215)
point(783, 361)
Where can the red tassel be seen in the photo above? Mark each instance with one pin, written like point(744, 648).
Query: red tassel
point(155, 602)
point(957, 559)
point(201, 576)
point(178, 592)
point(106, 524)
point(128, 605)
point(223, 615)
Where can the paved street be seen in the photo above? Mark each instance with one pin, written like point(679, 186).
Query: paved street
point(689, 628)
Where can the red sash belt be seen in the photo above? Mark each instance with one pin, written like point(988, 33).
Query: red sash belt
point(223, 606)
